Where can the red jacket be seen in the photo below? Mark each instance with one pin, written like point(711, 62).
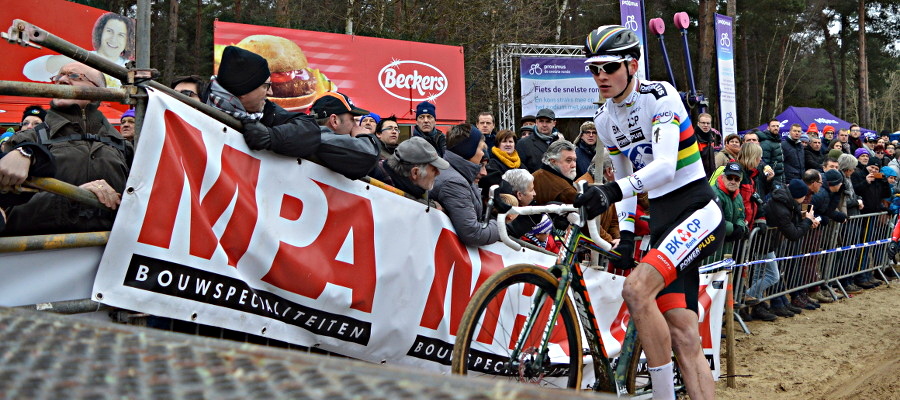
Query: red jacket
point(748, 187)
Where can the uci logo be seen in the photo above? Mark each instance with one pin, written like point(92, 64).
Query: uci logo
point(412, 80)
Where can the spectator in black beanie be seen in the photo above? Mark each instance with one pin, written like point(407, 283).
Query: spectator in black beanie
point(240, 89)
point(32, 116)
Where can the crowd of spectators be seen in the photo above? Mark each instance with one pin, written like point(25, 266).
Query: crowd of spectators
point(797, 183)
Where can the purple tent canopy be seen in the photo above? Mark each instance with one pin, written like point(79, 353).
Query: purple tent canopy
point(805, 116)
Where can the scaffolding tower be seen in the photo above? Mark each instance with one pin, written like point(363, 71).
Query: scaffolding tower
point(506, 68)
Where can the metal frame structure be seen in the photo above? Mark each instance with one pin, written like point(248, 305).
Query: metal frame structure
point(506, 73)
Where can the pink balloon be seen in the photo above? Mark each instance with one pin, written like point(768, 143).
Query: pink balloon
point(682, 21)
point(657, 26)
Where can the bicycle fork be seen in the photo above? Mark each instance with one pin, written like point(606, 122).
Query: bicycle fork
point(541, 354)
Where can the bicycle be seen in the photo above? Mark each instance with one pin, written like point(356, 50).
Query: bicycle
point(534, 349)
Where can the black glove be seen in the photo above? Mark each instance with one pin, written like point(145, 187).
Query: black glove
point(257, 135)
point(499, 204)
point(893, 249)
point(761, 224)
point(737, 233)
point(597, 199)
point(626, 249)
point(560, 221)
point(522, 224)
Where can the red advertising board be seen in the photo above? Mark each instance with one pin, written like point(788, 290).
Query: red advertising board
point(70, 21)
point(384, 76)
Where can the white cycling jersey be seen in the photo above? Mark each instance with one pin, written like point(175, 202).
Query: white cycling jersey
point(651, 140)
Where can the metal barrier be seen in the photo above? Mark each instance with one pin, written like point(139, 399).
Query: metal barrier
point(774, 266)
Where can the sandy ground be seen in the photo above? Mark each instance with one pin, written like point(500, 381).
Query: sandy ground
point(845, 350)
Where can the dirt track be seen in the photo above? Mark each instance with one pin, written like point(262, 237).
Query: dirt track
point(845, 350)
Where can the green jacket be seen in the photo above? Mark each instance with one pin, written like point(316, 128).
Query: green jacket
point(77, 162)
point(772, 154)
point(732, 214)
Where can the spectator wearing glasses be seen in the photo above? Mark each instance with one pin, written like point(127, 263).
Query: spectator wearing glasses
point(240, 90)
point(855, 140)
point(827, 136)
point(730, 150)
point(89, 153)
point(709, 141)
point(585, 147)
point(727, 188)
point(388, 133)
point(190, 86)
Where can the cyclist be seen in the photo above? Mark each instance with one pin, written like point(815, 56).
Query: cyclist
point(650, 138)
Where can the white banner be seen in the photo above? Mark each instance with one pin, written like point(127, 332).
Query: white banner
point(32, 277)
point(211, 232)
point(725, 66)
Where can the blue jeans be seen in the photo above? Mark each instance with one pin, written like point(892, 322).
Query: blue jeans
point(764, 276)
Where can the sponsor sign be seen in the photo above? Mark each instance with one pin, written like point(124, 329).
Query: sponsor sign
point(725, 66)
point(68, 20)
point(564, 85)
point(384, 76)
point(211, 232)
point(632, 12)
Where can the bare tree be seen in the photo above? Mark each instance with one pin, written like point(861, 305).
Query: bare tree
point(282, 16)
point(169, 67)
point(705, 18)
point(561, 12)
point(348, 28)
point(863, 102)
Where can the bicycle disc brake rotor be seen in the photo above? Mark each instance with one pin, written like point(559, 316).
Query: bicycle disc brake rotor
point(530, 369)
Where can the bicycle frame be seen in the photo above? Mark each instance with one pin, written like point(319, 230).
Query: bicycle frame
point(569, 272)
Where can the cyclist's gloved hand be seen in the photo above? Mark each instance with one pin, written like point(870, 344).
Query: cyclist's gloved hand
point(499, 204)
point(597, 199)
point(893, 249)
point(256, 134)
point(626, 249)
point(560, 221)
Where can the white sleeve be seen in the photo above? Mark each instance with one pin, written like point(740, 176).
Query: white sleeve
point(669, 120)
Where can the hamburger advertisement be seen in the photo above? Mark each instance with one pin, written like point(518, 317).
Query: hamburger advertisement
point(382, 75)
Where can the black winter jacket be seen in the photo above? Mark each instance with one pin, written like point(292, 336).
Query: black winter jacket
point(297, 135)
point(783, 212)
point(792, 151)
point(531, 149)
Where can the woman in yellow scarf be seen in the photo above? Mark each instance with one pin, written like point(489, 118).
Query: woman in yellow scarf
point(504, 157)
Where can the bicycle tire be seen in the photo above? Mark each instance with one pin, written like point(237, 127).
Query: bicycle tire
point(488, 301)
point(637, 378)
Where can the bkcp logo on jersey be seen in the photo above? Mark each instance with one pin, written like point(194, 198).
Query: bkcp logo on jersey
point(412, 80)
point(683, 237)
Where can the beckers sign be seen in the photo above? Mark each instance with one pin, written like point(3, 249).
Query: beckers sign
point(384, 76)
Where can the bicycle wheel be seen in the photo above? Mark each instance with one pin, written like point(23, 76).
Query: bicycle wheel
point(494, 320)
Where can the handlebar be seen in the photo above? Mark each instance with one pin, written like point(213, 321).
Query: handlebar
point(575, 217)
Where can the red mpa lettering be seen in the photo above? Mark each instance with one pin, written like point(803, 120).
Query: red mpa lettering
point(184, 155)
point(301, 270)
point(451, 255)
point(704, 302)
point(306, 270)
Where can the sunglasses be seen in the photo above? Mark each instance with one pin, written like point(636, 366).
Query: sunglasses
point(188, 93)
point(609, 68)
point(733, 178)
